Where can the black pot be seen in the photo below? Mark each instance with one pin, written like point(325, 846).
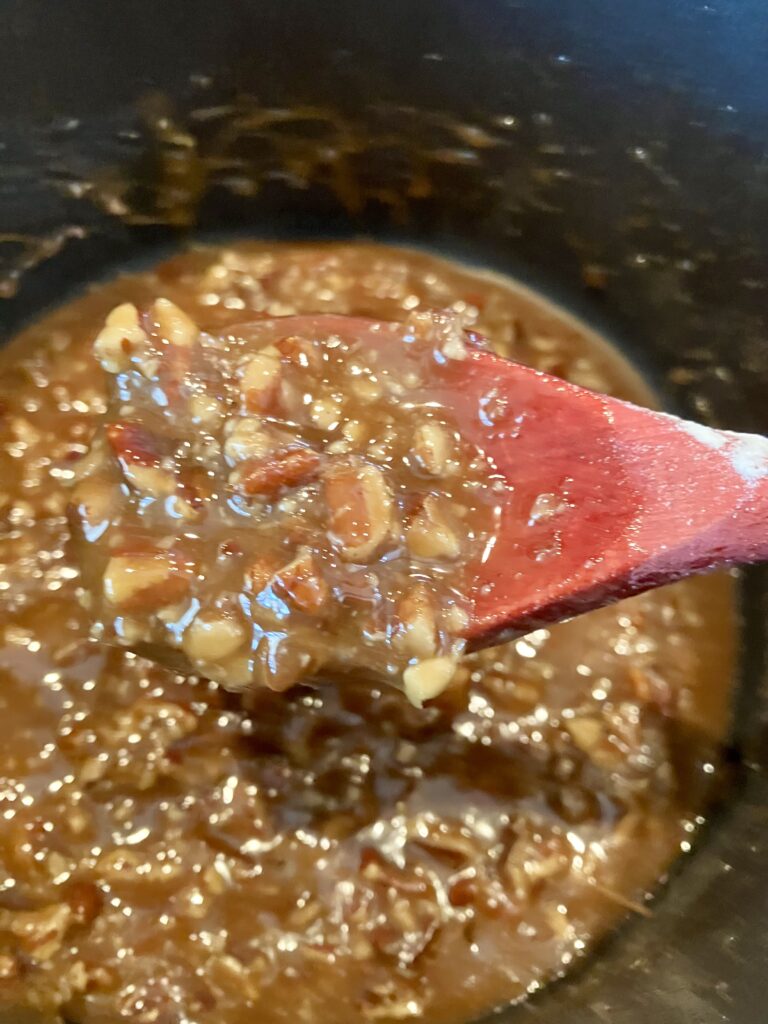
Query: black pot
point(612, 154)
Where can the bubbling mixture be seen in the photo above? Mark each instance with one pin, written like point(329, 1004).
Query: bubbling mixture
point(283, 497)
point(327, 855)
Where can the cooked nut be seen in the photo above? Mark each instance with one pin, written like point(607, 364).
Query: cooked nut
point(429, 534)
point(234, 673)
point(325, 413)
point(77, 978)
point(455, 619)
point(340, 447)
point(96, 502)
point(432, 448)
point(237, 981)
point(121, 332)
point(213, 636)
point(121, 865)
point(455, 347)
point(86, 901)
point(300, 352)
point(280, 665)
point(174, 324)
point(261, 572)
point(206, 410)
point(133, 444)
point(24, 431)
point(428, 679)
point(180, 508)
point(360, 508)
point(158, 483)
point(148, 366)
point(587, 733)
point(416, 634)
point(267, 477)
point(260, 379)
point(131, 631)
point(302, 583)
point(40, 933)
point(353, 431)
point(9, 967)
point(143, 581)
point(139, 453)
point(247, 440)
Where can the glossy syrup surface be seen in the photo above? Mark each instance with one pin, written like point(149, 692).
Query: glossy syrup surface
point(330, 855)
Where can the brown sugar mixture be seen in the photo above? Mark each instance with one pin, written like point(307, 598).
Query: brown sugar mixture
point(282, 498)
point(329, 855)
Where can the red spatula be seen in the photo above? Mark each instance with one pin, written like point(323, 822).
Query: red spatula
point(616, 499)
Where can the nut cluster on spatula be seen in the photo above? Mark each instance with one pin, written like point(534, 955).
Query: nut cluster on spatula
point(287, 496)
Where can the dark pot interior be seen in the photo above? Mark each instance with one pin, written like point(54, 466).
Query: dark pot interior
point(610, 154)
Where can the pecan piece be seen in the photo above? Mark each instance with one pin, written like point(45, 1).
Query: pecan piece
point(416, 629)
point(302, 583)
point(173, 323)
point(428, 679)
point(280, 663)
point(260, 572)
point(360, 508)
point(85, 900)
point(121, 332)
point(300, 352)
point(432, 448)
point(269, 476)
point(213, 636)
point(139, 453)
point(144, 581)
point(95, 503)
point(40, 933)
point(261, 380)
point(134, 445)
point(430, 534)
point(246, 439)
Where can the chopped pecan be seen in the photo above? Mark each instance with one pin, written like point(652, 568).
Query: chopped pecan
point(360, 508)
point(269, 476)
point(430, 534)
point(428, 679)
point(247, 439)
point(261, 571)
point(213, 636)
point(206, 410)
point(144, 581)
point(432, 448)
point(302, 583)
point(96, 501)
point(115, 342)
point(158, 483)
point(587, 732)
point(325, 413)
point(261, 380)
point(134, 445)
point(173, 323)
point(280, 664)
point(300, 352)
point(9, 967)
point(40, 933)
point(236, 981)
point(86, 901)
point(416, 629)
